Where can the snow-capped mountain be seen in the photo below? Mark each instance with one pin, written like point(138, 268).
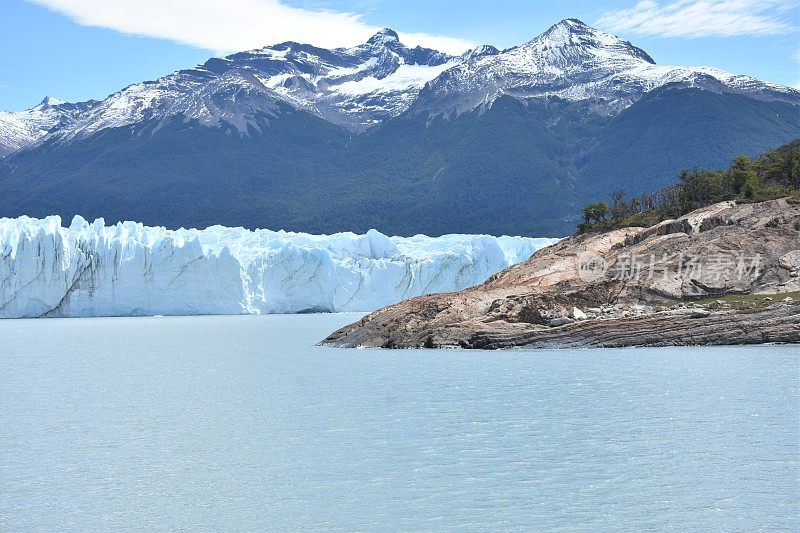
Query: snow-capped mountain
point(574, 62)
point(362, 86)
point(352, 87)
point(23, 128)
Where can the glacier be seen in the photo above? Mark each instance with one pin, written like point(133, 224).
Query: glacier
point(128, 269)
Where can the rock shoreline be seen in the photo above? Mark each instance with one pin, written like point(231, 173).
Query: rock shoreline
point(778, 324)
point(697, 286)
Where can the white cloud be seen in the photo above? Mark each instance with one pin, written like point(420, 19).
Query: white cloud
point(701, 18)
point(234, 25)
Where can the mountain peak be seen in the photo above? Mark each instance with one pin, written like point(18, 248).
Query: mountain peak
point(574, 23)
point(572, 26)
point(576, 35)
point(50, 101)
point(384, 36)
point(480, 51)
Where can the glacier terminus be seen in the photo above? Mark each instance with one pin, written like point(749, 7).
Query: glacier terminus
point(129, 269)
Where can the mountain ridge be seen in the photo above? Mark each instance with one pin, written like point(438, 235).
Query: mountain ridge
point(578, 63)
point(362, 86)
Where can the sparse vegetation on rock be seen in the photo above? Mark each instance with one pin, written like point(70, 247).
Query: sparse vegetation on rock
point(776, 174)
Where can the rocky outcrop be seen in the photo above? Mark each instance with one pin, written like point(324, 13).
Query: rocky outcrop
point(690, 281)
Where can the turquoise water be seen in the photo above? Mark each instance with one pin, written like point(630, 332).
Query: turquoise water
point(240, 423)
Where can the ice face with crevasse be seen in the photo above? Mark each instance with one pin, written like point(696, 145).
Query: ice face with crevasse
point(129, 269)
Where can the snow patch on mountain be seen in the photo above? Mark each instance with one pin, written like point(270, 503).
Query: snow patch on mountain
point(130, 269)
point(406, 76)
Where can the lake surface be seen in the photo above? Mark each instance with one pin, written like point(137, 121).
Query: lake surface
point(241, 423)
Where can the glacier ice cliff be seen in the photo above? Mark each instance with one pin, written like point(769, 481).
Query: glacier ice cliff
point(129, 269)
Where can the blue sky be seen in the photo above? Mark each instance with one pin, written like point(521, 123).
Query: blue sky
point(81, 49)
